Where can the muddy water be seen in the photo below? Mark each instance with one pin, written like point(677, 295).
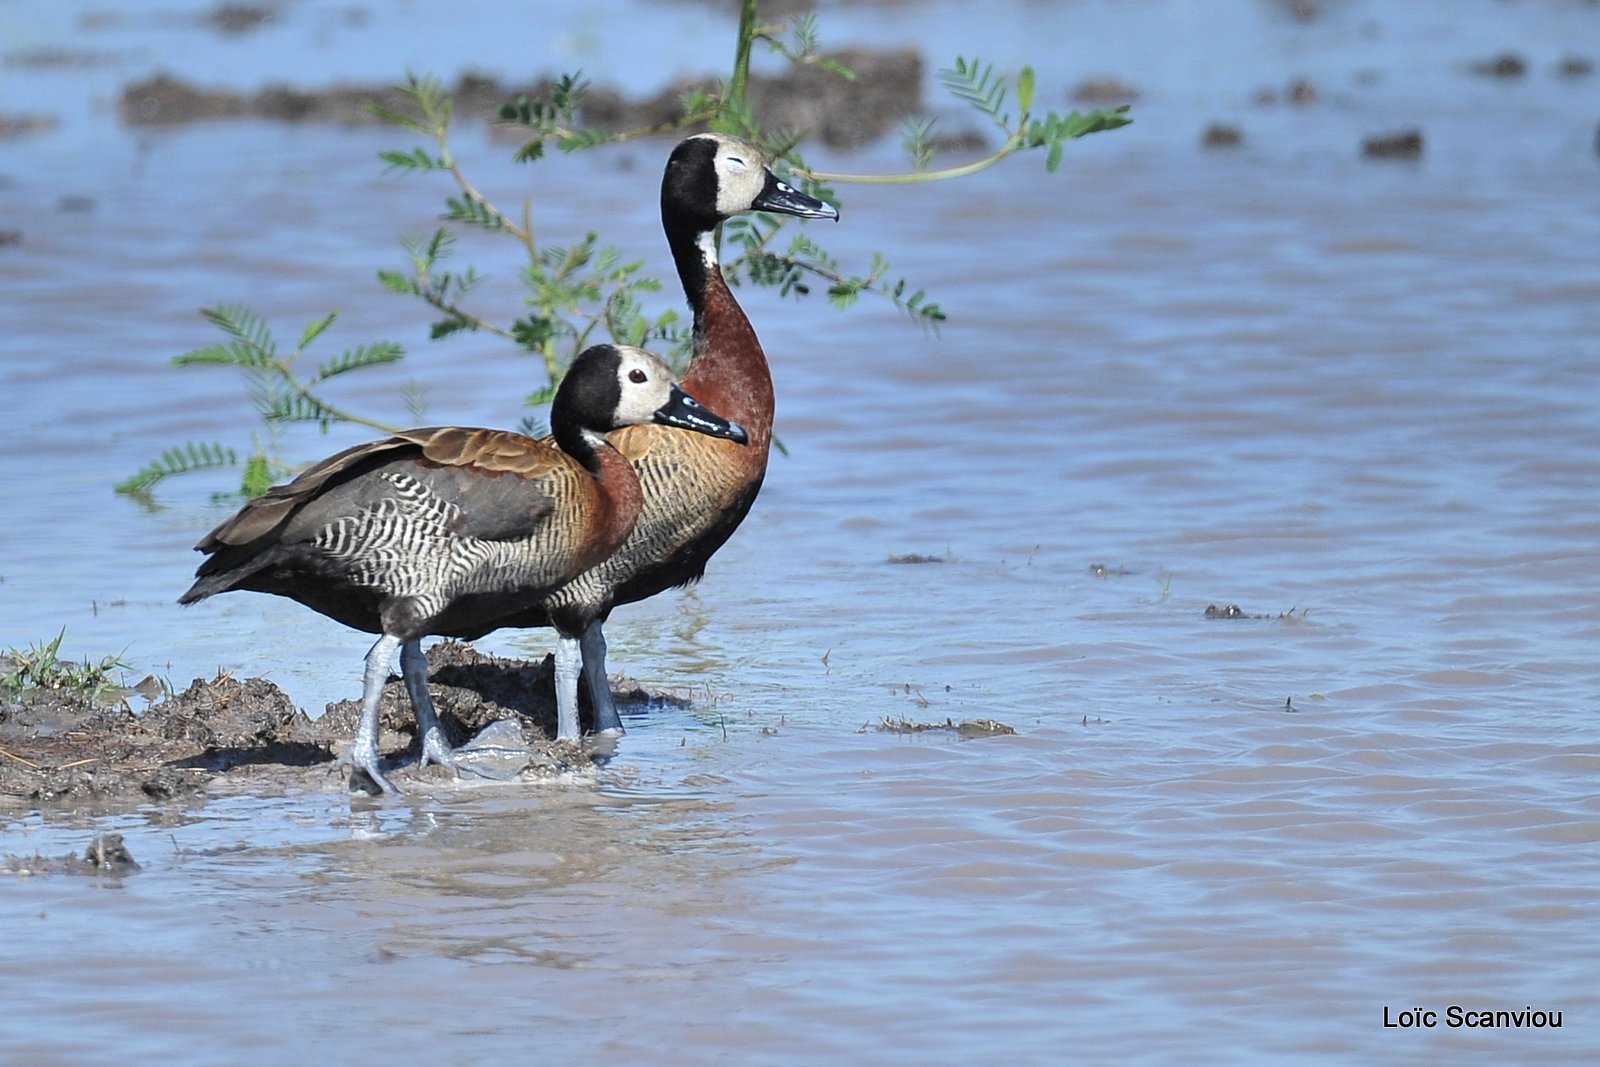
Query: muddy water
point(1355, 399)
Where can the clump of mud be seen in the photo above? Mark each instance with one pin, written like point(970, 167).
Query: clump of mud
point(59, 747)
point(106, 855)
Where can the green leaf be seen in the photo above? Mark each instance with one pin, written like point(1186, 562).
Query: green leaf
point(257, 478)
point(975, 84)
point(232, 355)
point(416, 398)
point(517, 112)
point(242, 324)
point(473, 212)
point(581, 139)
point(450, 325)
point(180, 460)
point(314, 330)
point(293, 407)
point(394, 118)
point(833, 66)
point(416, 159)
point(373, 355)
point(533, 332)
point(844, 294)
point(396, 282)
point(1025, 89)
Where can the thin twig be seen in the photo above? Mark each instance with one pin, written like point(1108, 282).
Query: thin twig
point(25, 762)
point(917, 177)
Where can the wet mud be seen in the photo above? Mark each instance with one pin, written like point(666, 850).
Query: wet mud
point(106, 855)
point(841, 113)
point(59, 747)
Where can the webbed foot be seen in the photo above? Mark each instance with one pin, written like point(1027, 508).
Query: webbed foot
point(363, 760)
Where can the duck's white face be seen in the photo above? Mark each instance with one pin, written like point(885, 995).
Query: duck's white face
point(741, 175)
point(648, 392)
point(644, 386)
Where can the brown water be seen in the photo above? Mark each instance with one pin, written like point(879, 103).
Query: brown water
point(1356, 399)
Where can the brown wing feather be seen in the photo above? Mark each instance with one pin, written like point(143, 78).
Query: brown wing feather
point(272, 508)
point(490, 451)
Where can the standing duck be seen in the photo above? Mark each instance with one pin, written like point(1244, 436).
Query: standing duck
point(447, 530)
point(696, 490)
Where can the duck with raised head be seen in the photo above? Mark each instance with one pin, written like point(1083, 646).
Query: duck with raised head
point(697, 490)
point(448, 530)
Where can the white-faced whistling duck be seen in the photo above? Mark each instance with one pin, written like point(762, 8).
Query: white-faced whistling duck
point(696, 490)
point(447, 531)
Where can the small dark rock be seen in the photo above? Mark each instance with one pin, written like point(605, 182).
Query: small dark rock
point(970, 728)
point(238, 18)
point(75, 204)
point(1105, 91)
point(10, 237)
point(1302, 92)
point(1505, 65)
point(107, 853)
point(13, 126)
point(1407, 144)
point(162, 100)
point(1218, 135)
point(1575, 67)
point(916, 557)
point(56, 58)
point(169, 783)
point(964, 142)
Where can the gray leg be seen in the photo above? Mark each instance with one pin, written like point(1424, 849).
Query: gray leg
point(569, 664)
point(363, 754)
point(414, 668)
point(606, 719)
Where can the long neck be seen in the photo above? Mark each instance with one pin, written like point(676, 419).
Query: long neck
point(728, 372)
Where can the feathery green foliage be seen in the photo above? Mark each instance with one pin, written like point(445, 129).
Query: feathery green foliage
point(583, 292)
point(276, 390)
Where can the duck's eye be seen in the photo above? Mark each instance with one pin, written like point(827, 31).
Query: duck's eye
point(735, 163)
point(638, 377)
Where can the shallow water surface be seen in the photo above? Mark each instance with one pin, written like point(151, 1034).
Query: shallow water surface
point(1355, 399)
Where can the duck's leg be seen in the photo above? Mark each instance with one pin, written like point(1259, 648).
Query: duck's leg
point(569, 664)
point(593, 643)
point(363, 755)
point(414, 669)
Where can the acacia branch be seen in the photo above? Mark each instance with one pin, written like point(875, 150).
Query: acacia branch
point(1013, 144)
point(336, 414)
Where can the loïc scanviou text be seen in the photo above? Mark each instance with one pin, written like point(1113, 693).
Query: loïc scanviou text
point(1457, 1016)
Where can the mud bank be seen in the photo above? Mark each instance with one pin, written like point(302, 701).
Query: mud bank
point(58, 748)
point(842, 114)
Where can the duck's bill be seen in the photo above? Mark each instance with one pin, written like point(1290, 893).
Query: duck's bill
point(785, 199)
point(687, 413)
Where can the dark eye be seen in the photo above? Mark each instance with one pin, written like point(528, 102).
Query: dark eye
point(638, 377)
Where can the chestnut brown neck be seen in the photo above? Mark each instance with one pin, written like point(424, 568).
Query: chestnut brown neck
point(618, 500)
point(728, 372)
